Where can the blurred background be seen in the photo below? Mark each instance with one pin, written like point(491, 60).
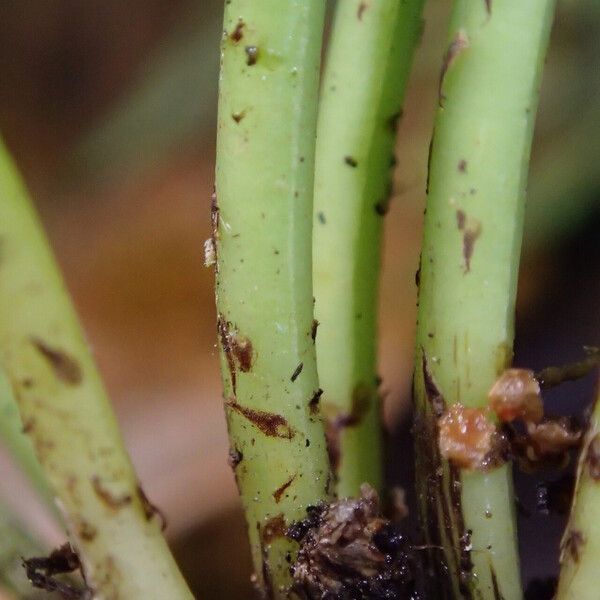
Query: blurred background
point(109, 109)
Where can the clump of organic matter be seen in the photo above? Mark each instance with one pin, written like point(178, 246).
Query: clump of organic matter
point(348, 551)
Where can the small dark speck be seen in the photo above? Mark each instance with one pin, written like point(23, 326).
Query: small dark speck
point(302, 159)
point(238, 116)
point(350, 161)
point(381, 208)
point(361, 9)
point(321, 217)
point(307, 444)
point(251, 55)
point(462, 166)
point(297, 372)
point(237, 34)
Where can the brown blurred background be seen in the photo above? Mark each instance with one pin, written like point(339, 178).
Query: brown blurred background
point(109, 109)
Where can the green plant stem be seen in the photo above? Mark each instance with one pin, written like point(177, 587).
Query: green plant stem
point(580, 548)
point(19, 445)
point(368, 64)
point(15, 543)
point(68, 417)
point(264, 185)
point(469, 264)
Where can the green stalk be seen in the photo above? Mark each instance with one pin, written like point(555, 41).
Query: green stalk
point(15, 543)
point(580, 548)
point(368, 64)
point(262, 235)
point(67, 415)
point(469, 264)
point(19, 445)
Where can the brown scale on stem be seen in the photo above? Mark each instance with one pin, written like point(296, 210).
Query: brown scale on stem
point(65, 367)
point(458, 44)
point(237, 349)
point(271, 424)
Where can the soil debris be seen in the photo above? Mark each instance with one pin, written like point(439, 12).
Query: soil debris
point(349, 551)
point(41, 573)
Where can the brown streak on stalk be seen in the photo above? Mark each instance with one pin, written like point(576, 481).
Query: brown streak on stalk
point(106, 497)
point(313, 405)
point(273, 529)
point(238, 33)
point(495, 586)
point(150, 510)
point(313, 329)
point(592, 457)
point(65, 367)
point(361, 9)
point(271, 424)
point(572, 544)
point(458, 44)
point(297, 372)
point(278, 493)
point(471, 230)
point(488, 7)
point(238, 350)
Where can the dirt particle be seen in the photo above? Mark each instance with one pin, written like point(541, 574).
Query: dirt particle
point(488, 7)
point(462, 166)
point(351, 161)
point(251, 55)
point(65, 367)
point(313, 405)
point(516, 395)
point(238, 33)
point(321, 218)
point(460, 219)
point(592, 457)
point(297, 372)
point(234, 458)
point(572, 544)
point(347, 550)
point(278, 493)
point(271, 424)
point(361, 10)
point(105, 495)
point(458, 44)
point(238, 116)
point(382, 207)
point(41, 572)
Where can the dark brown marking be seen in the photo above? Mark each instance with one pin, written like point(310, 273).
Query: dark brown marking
point(28, 425)
point(332, 439)
point(41, 570)
point(150, 509)
point(458, 44)
point(470, 236)
point(214, 219)
point(86, 531)
point(313, 405)
point(313, 329)
point(273, 529)
point(351, 161)
point(488, 7)
point(238, 116)
point(394, 120)
point(462, 166)
point(593, 458)
point(278, 493)
point(297, 372)
point(238, 33)
point(65, 367)
point(237, 349)
point(429, 163)
point(271, 424)
point(382, 207)
point(460, 219)
point(361, 9)
point(110, 501)
point(572, 544)
point(495, 586)
point(234, 458)
point(321, 217)
point(251, 55)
